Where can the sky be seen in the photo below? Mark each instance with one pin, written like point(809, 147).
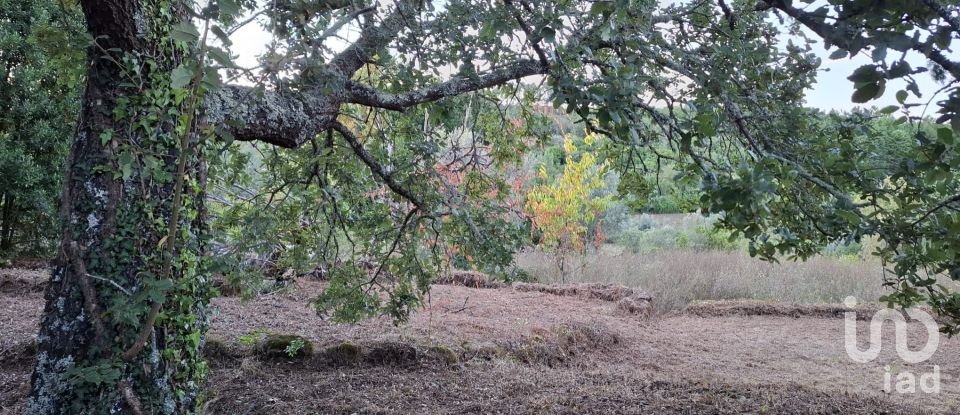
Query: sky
point(832, 90)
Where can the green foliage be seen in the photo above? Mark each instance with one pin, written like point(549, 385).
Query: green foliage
point(136, 185)
point(707, 92)
point(281, 211)
point(295, 347)
point(40, 73)
point(253, 337)
point(645, 234)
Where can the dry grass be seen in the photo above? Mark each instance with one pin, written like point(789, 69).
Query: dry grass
point(470, 279)
point(747, 308)
point(519, 352)
point(678, 277)
point(505, 388)
point(629, 300)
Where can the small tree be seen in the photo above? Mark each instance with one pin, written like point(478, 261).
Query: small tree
point(563, 209)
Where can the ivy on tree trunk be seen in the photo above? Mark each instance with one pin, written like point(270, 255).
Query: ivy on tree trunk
point(126, 305)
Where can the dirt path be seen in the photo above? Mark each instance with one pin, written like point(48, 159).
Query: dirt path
point(675, 364)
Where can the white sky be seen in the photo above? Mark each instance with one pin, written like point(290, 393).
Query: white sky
point(832, 90)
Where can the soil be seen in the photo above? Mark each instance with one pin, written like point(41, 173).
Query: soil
point(506, 351)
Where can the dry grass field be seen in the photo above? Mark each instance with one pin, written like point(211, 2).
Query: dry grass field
point(678, 277)
point(517, 351)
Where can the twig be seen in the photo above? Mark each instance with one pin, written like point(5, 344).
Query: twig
point(463, 307)
point(375, 166)
point(534, 38)
point(112, 282)
point(396, 242)
point(939, 206)
point(89, 295)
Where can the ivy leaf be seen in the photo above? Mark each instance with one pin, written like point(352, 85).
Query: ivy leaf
point(221, 57)
point(105, 137)
point(126, 165)
point(181, 77)
point(185, 32)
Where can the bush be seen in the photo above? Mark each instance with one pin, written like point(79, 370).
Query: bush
point(645, 234)
point(849, 249)
point(615, 218)
point(720, 239)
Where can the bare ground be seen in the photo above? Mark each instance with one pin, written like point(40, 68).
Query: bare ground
point(508, 351)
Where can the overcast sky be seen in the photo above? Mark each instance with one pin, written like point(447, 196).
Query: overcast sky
point(833, 89)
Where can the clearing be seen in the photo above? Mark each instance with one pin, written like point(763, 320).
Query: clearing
point(506, 351)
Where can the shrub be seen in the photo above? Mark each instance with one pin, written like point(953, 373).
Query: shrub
point(849, 249)
point(646, 234)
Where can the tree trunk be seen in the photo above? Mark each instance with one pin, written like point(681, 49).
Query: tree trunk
point(128, 246)
point(6, 223)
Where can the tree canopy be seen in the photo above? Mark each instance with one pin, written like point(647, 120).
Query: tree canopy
point(40, 73)
point(375, 126)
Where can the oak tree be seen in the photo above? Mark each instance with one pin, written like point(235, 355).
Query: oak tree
point(126, 307)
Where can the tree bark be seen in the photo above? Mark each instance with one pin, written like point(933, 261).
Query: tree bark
point(113, 263)
point(6, 223)
point(125, 311)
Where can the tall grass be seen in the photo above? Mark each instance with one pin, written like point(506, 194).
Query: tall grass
point(677, 277)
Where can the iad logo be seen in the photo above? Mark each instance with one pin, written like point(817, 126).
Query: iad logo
point(906, 382)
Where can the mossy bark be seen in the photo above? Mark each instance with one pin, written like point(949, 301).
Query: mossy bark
point(113, 263)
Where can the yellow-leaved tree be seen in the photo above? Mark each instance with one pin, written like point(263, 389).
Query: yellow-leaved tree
point(562, 209)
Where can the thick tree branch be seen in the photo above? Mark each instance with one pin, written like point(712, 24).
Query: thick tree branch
point(291, 118)
point(358, 93)
point(372, 39)
point(286, 119)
